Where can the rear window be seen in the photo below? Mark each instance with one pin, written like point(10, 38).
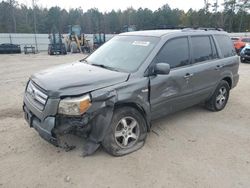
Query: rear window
point(225, 45)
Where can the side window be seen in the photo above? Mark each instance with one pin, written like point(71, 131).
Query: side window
point(202, 48)
point(226, 45)
point(175, 52)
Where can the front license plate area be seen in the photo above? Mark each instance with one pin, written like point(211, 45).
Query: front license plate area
point(28, 116)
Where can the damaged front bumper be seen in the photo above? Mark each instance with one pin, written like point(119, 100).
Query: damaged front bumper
point(93, 125)
point(51, 128)
point(49, 125)
point(44, 128)
point(42, 120)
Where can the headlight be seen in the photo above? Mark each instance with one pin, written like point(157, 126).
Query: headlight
point(74, 106)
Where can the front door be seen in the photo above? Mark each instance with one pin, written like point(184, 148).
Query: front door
point(169, 93)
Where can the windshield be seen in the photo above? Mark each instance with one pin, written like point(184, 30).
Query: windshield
point(123, 53)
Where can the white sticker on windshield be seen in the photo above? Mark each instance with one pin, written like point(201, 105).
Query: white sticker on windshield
point(141, 43)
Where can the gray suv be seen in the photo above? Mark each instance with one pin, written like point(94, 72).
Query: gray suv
point(112, 96)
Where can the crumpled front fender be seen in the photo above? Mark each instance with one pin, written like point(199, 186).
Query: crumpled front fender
point(102, 109)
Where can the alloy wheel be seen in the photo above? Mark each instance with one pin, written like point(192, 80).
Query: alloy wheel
point(221, 97)
point(127, 132)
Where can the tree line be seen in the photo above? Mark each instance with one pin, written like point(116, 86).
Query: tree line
point(232, 16)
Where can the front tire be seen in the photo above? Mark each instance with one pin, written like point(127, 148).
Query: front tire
point(220, 97)
point(127, 133)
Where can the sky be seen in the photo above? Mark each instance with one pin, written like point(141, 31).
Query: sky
point(108, 5)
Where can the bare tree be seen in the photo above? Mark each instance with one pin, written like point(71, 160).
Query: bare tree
point(206, 6)
point(215, 6)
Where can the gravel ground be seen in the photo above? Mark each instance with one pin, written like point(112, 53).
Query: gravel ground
point(192, 148)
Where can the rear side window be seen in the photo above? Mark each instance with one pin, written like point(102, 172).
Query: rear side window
point(175, 52)
point(202, 49)
point(226, 45)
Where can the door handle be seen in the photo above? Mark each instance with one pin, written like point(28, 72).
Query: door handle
point(188, 75)
point(218, 67)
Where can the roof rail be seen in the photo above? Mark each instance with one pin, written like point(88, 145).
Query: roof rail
point(185, 28)
point(203, 28)
point(170, 27)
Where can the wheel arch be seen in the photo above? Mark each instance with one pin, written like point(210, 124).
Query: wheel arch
point(228, 80)
point(136, 106)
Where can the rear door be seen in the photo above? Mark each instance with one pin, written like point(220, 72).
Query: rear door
point(169, 93)
point(229, 61)
point(205, 66)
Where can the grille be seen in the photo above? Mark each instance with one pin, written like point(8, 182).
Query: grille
point(36, 95)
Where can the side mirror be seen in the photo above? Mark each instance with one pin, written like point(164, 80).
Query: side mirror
point(162, 68)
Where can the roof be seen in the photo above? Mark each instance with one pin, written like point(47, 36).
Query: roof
point(153, 33)
point(162, 32)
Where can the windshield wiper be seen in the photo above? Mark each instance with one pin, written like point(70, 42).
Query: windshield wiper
point(105, 67)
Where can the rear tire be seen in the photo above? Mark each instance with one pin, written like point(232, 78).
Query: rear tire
point(50, 52)
point(127, 133)
point(220, 97)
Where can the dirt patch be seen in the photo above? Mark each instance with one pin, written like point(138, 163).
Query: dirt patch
point(11, 113)
point(191, 148)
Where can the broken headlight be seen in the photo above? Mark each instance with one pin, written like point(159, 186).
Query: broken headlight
point(74, 106)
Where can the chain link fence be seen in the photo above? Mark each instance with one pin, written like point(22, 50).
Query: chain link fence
point(23, 39)
point(42, 39)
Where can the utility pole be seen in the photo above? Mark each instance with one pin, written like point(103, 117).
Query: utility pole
point(34, 14)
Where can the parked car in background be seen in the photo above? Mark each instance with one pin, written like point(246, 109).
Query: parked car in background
point(245, 54)
point(7, 48)
point(235, 38)
point(113, 95)
point(240, 43)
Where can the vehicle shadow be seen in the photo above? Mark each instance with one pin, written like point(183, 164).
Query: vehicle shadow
point(188, 112)
point(158, 126)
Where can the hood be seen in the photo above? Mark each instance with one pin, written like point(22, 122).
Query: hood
point(76, 78)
